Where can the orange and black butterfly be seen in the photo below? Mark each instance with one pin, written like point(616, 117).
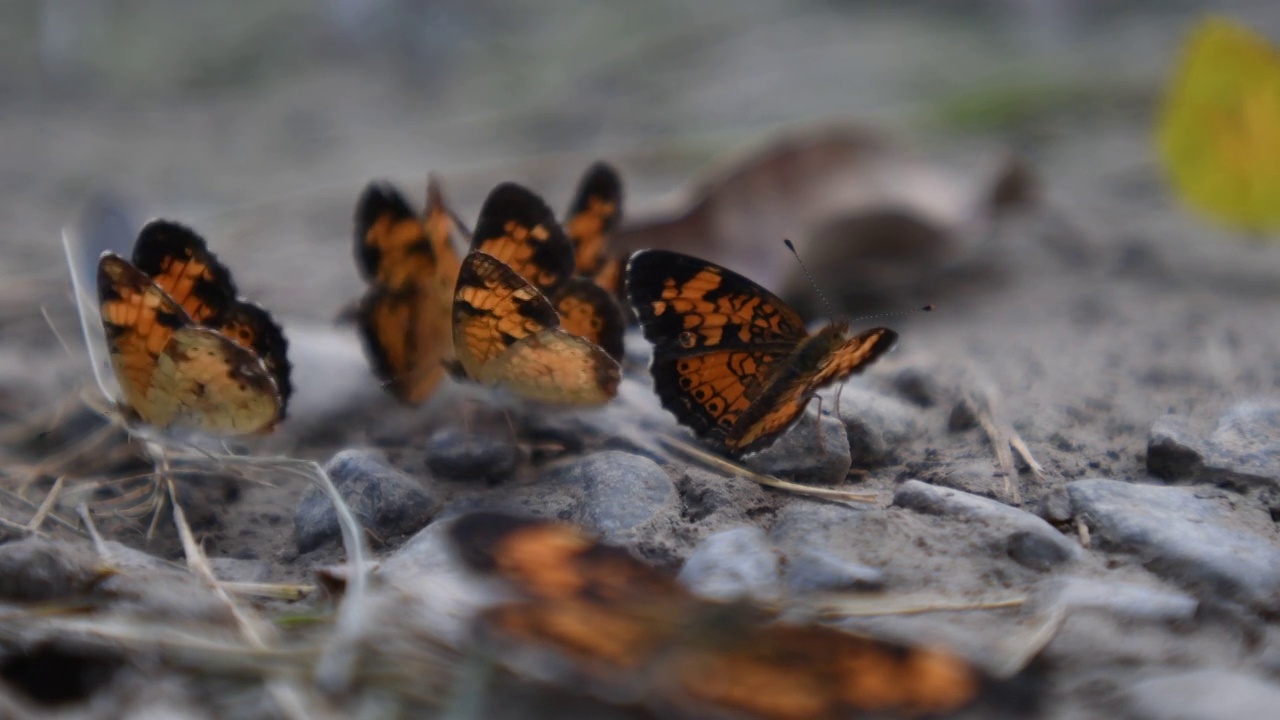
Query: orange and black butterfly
point(637, 632)
point(730, 359)
point(508, 334)
point(516, 227)
point(411, 264)
point(594, 214)
point(186, 351)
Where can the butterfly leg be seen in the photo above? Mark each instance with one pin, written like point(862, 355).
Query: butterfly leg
point(822, 441)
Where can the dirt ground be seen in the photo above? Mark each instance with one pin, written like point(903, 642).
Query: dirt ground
point(1093, 315)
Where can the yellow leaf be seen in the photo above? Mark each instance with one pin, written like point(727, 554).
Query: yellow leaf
point(1219, 131)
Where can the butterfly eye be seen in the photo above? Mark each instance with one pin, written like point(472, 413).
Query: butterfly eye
point(688, 339)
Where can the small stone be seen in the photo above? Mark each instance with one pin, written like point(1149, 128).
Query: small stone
point(1243, 451)
point(621, 493)
point(384, 500)
point(917, 385)
point(733, 564)
point(1173, 450)
point(1028, 539)
point(962, 418)
point(1211, 550)
point(1054, 506)
point(1126, 599)
point(812, 451)
point(877, 425)
point(39, 570)
point(815, 570)
point(1035, 551)
point(1204, 694)
point(457, 455)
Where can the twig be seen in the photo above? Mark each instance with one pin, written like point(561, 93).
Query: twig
point(46, 507)
point(833, 606)
point(732, 468)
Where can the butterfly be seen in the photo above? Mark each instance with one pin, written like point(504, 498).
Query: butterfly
point(731, 360)
point(507, 333)
point(1219, 128)
point(516, 227)
point(411, 265)
point(635, 630)
point(594, 214)
point(185, 350)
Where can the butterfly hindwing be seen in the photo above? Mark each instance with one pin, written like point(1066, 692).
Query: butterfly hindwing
point(177, 259)
point(507, 333)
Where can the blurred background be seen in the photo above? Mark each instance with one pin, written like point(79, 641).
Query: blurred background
point(260, 121)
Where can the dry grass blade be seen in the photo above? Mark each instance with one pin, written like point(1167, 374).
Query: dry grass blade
point(865, 605)
point(254, 631)
point(715, 462)
point(1020, 649)
point(46, 507)
point(276, 591)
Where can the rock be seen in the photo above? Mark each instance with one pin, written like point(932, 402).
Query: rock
point(621, 493)
point(1173, 450)
point(733, 564)
point(40, 570)
point(457, 455)
point(918, 385)
point(877, 425)
point(1204, 694)
point(801, 456)
point(1125, 599)
point(1029, 540)
point(384, 500)
point(1242, 451)
point(1038, 551)
point(816, 570)
point(1185, 538)
point(237, 570)
point(1054, 505)
point(425, 585)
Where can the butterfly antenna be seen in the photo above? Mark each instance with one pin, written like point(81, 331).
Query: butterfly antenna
point(825, 303)
point(895, 313)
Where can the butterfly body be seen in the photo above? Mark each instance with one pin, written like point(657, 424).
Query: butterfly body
point(731, 360)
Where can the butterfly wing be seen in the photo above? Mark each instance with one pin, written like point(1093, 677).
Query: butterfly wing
point(590, 312)
point(172, 372)
point(593, 215)
point(178, 260)
point(180, 263)
point(718, 337)
point(516, 227)
point(507, 334)
point(822, 359)
point(411, 264)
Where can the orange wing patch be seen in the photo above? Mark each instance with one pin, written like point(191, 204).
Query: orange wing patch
point(411, 264)
point(508, 334)
point(637, 631)
point(174, 373)
point(589, 311)
point(731, 360)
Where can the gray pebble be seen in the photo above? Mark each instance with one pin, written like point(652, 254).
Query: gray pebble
point(1125, 599)
point(1242, 451)
point(816, 570)
point(1185, 538)
point(733, 564)
point(1204, 694)
point(38, 570)
point(801, 456)
point(457, 455)
point(1029, 540)
point(621, 493)
point(877, 425)
point(385, 501)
